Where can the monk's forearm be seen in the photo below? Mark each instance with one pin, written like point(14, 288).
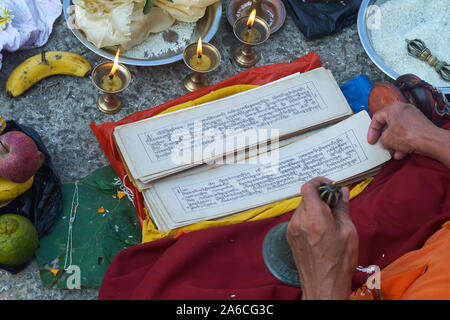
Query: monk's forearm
point(436, 144)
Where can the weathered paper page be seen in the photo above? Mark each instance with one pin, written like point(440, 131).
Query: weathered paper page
point(338, 153)
point(291, 104)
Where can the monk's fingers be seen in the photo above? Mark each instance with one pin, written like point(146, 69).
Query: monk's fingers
point(309, 189)
point(341, 211)
point(313, 205)
point(379, 121)
point(398, 155)
point(391, 151)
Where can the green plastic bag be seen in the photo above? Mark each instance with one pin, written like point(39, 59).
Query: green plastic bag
point(96, 237)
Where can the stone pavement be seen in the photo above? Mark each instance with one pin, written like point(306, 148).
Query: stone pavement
point(61, 108)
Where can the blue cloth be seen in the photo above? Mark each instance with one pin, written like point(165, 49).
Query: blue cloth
point(356, 91)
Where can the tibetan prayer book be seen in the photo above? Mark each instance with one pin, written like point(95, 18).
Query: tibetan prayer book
point(339, 152)
point(171, 143)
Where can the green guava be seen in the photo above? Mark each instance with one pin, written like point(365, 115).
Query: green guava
point(18, 239)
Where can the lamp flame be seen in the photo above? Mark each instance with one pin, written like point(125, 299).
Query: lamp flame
point(199, 47)
point(251, 19)
point(115, 65)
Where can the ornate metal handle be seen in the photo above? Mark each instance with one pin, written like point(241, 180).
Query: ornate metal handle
point(418, 49)
point(330, 193)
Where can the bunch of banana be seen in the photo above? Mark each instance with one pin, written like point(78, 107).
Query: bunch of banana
point(44, 65)
point(10, 190)
point(2, 124)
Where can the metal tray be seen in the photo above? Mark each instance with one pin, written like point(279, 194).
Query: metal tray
point(206, 28)
point(366, 40)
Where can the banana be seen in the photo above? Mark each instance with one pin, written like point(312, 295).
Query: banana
point(5, 203)
point(44, 65)
point(2, 124)
point(10, 190)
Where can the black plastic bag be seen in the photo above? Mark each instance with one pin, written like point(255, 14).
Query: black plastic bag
point(316, 19)
point(42, 203)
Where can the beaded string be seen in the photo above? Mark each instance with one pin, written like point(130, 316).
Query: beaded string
point(123, 187)
point(73, 213)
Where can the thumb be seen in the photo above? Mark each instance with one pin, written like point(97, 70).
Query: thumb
point(377, 125)
point(342, 211)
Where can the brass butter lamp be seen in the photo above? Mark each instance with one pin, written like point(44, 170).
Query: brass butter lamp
point(201, 58)
point(250, 31)
point(111, 78)
point(272, 11)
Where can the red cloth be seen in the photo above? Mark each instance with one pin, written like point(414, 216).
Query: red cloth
point(215, 263)
point(408, 201)
point(255, 76)
point(404, 206)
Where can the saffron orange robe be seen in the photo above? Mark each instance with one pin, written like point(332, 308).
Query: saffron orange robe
point(422, 274)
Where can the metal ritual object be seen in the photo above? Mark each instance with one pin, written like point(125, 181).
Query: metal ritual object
point(277, 253)
point(273, 12)
point(278, 258)
point(330, 193)
point(418, 49)
point(245, 56)
point(108, 102)
point(367, 14)
point(196, 80)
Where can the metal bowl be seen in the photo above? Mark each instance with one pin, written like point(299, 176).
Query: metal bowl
point(365, 36)
point(206, 28)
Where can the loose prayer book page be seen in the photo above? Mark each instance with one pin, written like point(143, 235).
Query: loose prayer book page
point(339, 152)
point(292, 105)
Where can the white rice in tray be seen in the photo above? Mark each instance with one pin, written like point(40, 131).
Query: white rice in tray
point(427, 20)
point(156, 45)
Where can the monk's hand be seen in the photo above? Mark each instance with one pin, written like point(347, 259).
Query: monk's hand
point(401, 129)
point(324, 244)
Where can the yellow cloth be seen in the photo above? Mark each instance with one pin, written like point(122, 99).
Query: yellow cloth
point(213, 95)
point(151, 233)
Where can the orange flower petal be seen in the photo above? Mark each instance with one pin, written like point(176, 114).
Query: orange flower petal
point(54, 271)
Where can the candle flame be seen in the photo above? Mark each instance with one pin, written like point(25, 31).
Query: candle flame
point(116, 64)
point(251, 19)
point(199, 47)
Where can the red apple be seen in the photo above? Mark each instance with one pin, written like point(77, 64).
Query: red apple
point(19, 156)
